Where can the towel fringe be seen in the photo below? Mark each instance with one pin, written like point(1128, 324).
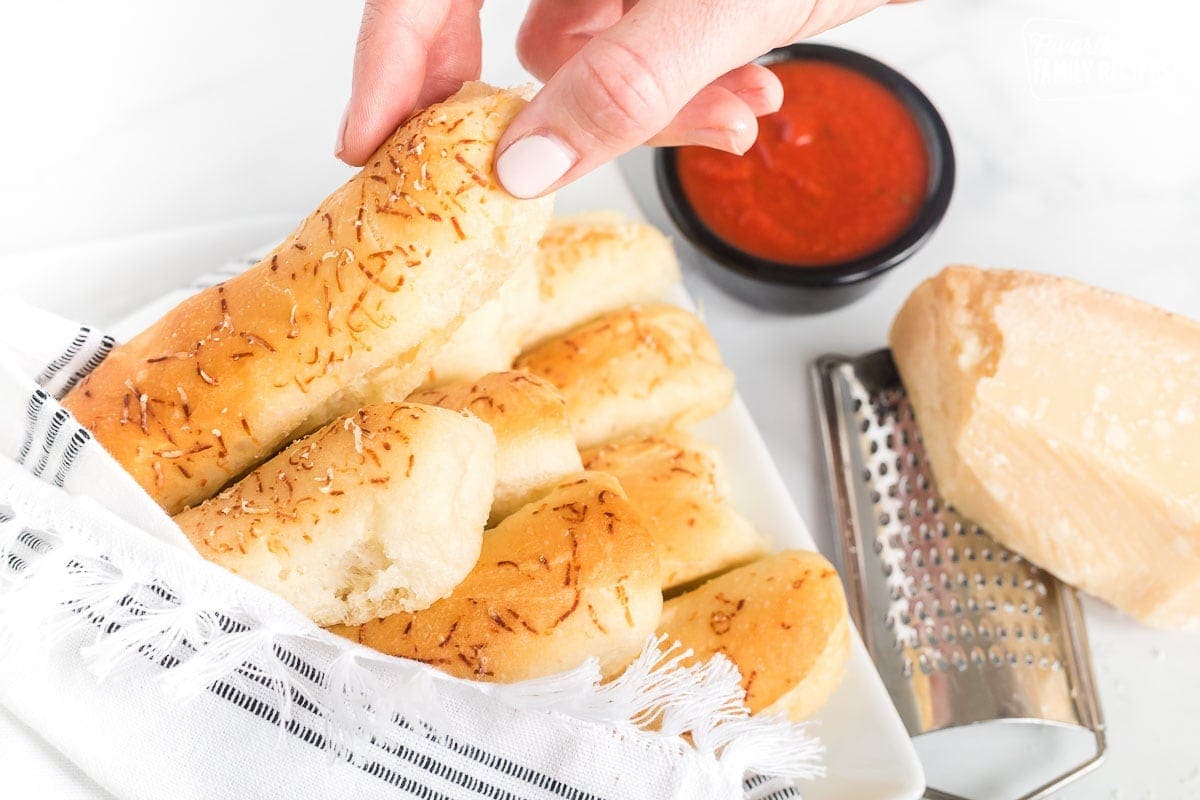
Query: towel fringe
point(132, 620)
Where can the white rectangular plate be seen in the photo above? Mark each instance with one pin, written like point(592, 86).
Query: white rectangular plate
point(868, 753)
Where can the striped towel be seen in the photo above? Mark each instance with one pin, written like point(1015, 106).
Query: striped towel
point(162, 675)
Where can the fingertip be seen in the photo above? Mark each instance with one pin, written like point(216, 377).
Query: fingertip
point(716, 118)
point(532, 165)
point(358, 137)
point(767, 98)
point(757, 86)
point(339, 145)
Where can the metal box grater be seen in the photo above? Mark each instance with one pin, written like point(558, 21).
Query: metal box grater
point(961, 629)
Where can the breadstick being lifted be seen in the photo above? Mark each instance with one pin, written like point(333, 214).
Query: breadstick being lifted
point(348, 310)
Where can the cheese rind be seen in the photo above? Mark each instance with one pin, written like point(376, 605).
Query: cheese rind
point(1066, 421)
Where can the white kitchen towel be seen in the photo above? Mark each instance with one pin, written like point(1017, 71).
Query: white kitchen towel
point(160, 674)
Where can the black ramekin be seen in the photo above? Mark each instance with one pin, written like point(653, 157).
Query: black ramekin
point(809, 289)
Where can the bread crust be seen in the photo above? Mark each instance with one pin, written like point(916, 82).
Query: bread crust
point(380, 511)
point(592, 263)
point(638, 370)
point(571, 576)
point(680, 489)
point(534, 445)
point(348, 310)
point(781, 620)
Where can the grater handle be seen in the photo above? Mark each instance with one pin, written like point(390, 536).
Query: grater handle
point(1051, 786)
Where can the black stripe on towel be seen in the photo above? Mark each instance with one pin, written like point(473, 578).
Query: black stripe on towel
point(103, 348)
point(775, 788)
point(485, 759)
point(422, 761)
point(78, 440)
point(510, 768)
point(56, 423)
point(33, 412)
point(57, 365)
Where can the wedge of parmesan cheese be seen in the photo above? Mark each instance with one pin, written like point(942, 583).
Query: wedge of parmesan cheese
point(1066, 421)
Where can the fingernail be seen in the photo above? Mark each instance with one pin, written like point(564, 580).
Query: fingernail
point(727, 139)
point(530, 166)
point(340, 145)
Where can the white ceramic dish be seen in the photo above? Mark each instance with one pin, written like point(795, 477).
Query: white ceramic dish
point(122, 286)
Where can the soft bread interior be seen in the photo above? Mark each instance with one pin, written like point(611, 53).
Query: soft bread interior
point(534, 445)
point(380, 511)
point(568, 577)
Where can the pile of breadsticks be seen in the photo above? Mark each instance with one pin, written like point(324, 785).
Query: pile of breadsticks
point(450, 427)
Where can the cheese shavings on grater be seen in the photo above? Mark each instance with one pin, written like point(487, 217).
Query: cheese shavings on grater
point(961, 629)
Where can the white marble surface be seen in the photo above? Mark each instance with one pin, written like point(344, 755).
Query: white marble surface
point(1076, 125)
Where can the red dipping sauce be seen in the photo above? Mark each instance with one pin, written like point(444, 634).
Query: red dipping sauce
point(837, 173)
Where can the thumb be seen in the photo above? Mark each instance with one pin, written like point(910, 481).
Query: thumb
point(621, 88)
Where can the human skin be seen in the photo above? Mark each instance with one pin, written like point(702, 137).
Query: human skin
point(618, 73)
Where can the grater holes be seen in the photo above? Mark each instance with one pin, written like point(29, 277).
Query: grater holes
point(956, 600)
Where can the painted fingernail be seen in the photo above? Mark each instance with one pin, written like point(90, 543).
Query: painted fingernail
point(530, 166)
point(340, 146)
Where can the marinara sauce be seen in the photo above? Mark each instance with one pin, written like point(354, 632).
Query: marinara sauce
point(838, 172)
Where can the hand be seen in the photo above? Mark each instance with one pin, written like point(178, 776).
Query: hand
point(618, 73)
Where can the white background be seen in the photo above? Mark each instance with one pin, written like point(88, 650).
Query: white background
point(121, 119)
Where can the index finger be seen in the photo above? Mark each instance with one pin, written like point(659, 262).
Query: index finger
point(389, 71)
